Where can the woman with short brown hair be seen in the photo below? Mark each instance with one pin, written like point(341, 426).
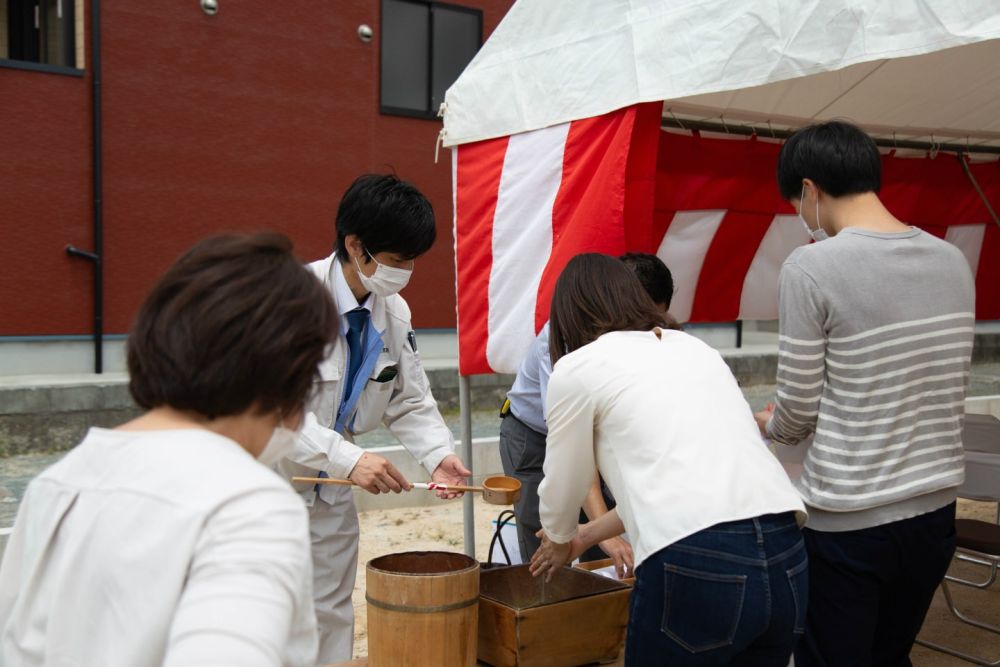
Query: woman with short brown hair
point(163, 541)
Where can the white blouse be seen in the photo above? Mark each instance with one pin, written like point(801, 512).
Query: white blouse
point(666, 424)
point(158, 548)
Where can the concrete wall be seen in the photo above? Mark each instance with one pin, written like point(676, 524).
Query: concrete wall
point(42, 413)
point(45, 414)
point(52, 415)
point(983, 405)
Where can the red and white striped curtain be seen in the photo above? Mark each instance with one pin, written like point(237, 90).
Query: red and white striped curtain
point(726, 231)
point(709, 207)
point(526, 204)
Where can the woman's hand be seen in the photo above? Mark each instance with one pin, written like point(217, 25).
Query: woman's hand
point(621, 553)
point(551, 556)
point(763, 417)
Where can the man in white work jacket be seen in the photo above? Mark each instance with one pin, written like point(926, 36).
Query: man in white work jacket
point(373, 376)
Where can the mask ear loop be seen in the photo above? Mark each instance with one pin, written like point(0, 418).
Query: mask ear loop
point(802, 202)
point(819, 227)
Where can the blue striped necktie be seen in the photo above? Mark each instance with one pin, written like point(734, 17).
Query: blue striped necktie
point(356, 321)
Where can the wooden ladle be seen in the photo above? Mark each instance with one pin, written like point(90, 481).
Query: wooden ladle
point(496, 490)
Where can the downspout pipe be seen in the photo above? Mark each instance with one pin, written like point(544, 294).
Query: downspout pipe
point(97, 172)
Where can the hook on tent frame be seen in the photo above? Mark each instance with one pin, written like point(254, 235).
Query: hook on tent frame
point(771, 129)
point(724, 126)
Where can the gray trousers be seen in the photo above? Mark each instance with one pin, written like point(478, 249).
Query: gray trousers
point(522, 453)
point(334, 531)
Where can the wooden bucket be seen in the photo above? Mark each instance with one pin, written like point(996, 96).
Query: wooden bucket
point(423, 609)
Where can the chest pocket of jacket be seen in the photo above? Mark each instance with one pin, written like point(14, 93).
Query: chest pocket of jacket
point(376, 395)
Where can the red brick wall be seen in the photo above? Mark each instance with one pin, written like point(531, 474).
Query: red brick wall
point(258, 117)
point(45, 203)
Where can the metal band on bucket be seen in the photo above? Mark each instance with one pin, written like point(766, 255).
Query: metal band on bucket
point(420, 610)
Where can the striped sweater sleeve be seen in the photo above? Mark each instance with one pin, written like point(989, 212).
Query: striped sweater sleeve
point(801, 351)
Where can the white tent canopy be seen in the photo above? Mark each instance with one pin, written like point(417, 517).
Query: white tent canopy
point(923, 70)
point(892, 67)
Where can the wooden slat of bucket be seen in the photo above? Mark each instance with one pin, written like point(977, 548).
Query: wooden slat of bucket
point(422, 609)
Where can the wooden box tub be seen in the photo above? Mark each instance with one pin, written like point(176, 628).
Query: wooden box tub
point(579, 618)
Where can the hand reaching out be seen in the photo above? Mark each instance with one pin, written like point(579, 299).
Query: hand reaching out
point(621, 553)
point(551, 556)
point(763, 417)
point(450, 471)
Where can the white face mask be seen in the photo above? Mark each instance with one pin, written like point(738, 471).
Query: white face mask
point(280, 444)
point(386, 280)
point(818, 234)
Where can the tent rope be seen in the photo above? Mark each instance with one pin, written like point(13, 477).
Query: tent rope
point(962, 157)
point(676, 119)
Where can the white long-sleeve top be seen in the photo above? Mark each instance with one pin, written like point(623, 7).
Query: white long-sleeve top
point(668, 428)
point(158, 548)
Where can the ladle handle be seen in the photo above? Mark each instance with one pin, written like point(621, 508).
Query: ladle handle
point(429, 486)
point(324, 480)
point(434, 486)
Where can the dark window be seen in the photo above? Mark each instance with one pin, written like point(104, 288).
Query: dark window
point(425, 46)
point(38, 31)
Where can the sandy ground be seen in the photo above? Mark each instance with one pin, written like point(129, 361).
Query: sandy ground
point(440, 528)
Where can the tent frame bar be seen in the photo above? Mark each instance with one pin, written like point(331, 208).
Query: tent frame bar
point(750, 130)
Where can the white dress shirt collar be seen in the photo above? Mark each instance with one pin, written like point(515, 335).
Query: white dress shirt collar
point(342, 294)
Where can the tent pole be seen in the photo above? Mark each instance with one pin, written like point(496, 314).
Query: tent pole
point(468, 512)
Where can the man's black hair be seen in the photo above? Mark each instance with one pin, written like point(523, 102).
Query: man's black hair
point(839, 157)
point(388, 215)
point(653, 274)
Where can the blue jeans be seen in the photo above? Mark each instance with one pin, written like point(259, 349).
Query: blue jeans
point(735, 593)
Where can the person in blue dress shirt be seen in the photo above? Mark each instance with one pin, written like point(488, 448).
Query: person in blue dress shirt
point(523, 429)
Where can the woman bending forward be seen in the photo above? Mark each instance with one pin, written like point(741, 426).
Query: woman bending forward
point(721, 571)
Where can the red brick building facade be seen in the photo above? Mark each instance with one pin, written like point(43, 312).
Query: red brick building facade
point(256, 117)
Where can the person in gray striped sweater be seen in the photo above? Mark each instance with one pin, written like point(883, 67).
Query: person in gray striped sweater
point(875, 338)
